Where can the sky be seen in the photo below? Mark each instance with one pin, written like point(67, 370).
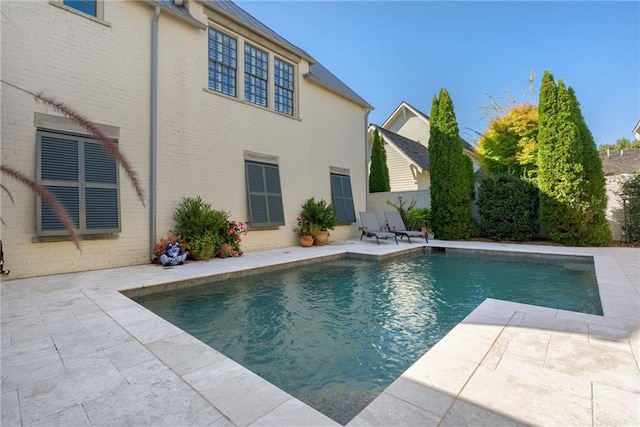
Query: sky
point(394, 51)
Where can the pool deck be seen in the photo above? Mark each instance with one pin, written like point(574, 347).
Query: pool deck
point(76, 352)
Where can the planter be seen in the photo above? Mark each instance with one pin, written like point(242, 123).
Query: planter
point(322, 237)
point(306, 241)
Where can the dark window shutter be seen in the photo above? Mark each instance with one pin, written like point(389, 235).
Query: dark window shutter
point(59, 159)
point(83, 176)
point(69, 198)
point(264, 195)
point(101, 205)
point(342, 198)
point(99, 165)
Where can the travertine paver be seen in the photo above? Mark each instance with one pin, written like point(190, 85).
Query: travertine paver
point(75, 351)
point(242, 395)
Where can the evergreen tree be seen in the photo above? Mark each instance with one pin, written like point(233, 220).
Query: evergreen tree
point(452, 177)
point(597, 231)
point(378, 172)
point(571, 190)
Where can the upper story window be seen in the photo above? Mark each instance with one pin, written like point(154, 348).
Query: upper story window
point(256, 72)
point(90, 7)
point(222, 62)
point(283, 78)
point(83, 176)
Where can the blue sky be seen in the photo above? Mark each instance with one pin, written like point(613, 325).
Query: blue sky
point(393, 51)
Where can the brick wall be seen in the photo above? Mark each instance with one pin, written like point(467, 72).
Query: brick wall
point(104, 72)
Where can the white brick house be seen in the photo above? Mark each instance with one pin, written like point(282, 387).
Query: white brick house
point(219, 95)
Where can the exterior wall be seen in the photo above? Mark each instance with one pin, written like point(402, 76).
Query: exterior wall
point(378, 201)
point(615, 210)
point(411, 126)
point(50, 50)
point(401, 177)
point(202, 135)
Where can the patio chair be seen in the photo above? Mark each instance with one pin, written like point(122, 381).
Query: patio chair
point(371, 227)
point(396, 226)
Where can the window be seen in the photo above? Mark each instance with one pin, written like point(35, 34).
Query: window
point(283, 97)
point(256, 70)
point(84, 178)
point(222, 62)
point(264, 194)
point(342, 198)
point(90, 7)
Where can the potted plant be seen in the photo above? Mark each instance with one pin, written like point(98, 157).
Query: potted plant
point(303, 231)
point(204, 246)
point(321, 218)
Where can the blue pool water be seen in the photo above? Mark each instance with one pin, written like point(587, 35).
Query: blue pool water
point(335, 334)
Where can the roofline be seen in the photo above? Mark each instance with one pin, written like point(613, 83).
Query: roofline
point(184, 18)
point(313, 79)
point(373, 127)
point(289, 47)
point(408, 106)
point(636, 128)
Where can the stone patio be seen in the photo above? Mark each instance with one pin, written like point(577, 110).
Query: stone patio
point(76, 352)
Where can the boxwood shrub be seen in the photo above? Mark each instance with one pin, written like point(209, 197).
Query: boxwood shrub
point(508, 208)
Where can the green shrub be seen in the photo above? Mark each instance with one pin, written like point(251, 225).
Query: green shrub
point(320, 214)
point(417, 218)
point(204, 247)
point(196, 219)
point(404, 212)
point(631, 190)
point(508, 208)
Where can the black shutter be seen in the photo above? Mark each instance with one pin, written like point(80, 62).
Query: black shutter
point(264, 195)
point(342, 198)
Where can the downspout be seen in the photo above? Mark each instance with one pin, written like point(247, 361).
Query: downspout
point(153, 143)
point(366, 158)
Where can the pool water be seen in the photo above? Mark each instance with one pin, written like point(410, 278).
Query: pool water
point(336, 334)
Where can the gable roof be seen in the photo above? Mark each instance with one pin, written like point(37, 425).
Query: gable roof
point(317, 73)
point(417, 153)
point(424, 117)
point(620, 162)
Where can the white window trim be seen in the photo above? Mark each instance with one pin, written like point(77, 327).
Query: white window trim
point(99, 18)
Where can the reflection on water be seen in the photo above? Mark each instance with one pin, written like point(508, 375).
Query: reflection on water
point(336, 334)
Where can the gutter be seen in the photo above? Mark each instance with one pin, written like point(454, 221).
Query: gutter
point(366, 158)
point(172, 10)
point(153, 132)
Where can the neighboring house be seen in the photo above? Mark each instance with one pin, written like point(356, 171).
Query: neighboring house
point(406, 136)
point(201, 97)
point(618, 166)
point(636, 130)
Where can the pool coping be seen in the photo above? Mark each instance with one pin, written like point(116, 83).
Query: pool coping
point(449, 384)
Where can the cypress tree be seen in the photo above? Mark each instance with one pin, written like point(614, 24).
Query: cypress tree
point(597, 231)
point(572, 194)
point(559, 165)
point(452, 178)
point(378, 172)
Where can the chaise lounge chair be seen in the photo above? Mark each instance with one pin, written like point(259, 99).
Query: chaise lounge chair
point(396, 226)
point(371, 227)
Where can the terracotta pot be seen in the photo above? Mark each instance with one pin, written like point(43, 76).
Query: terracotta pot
point(306, 241)
point(322, 238)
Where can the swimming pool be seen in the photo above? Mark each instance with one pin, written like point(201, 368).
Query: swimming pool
point(336, 334)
